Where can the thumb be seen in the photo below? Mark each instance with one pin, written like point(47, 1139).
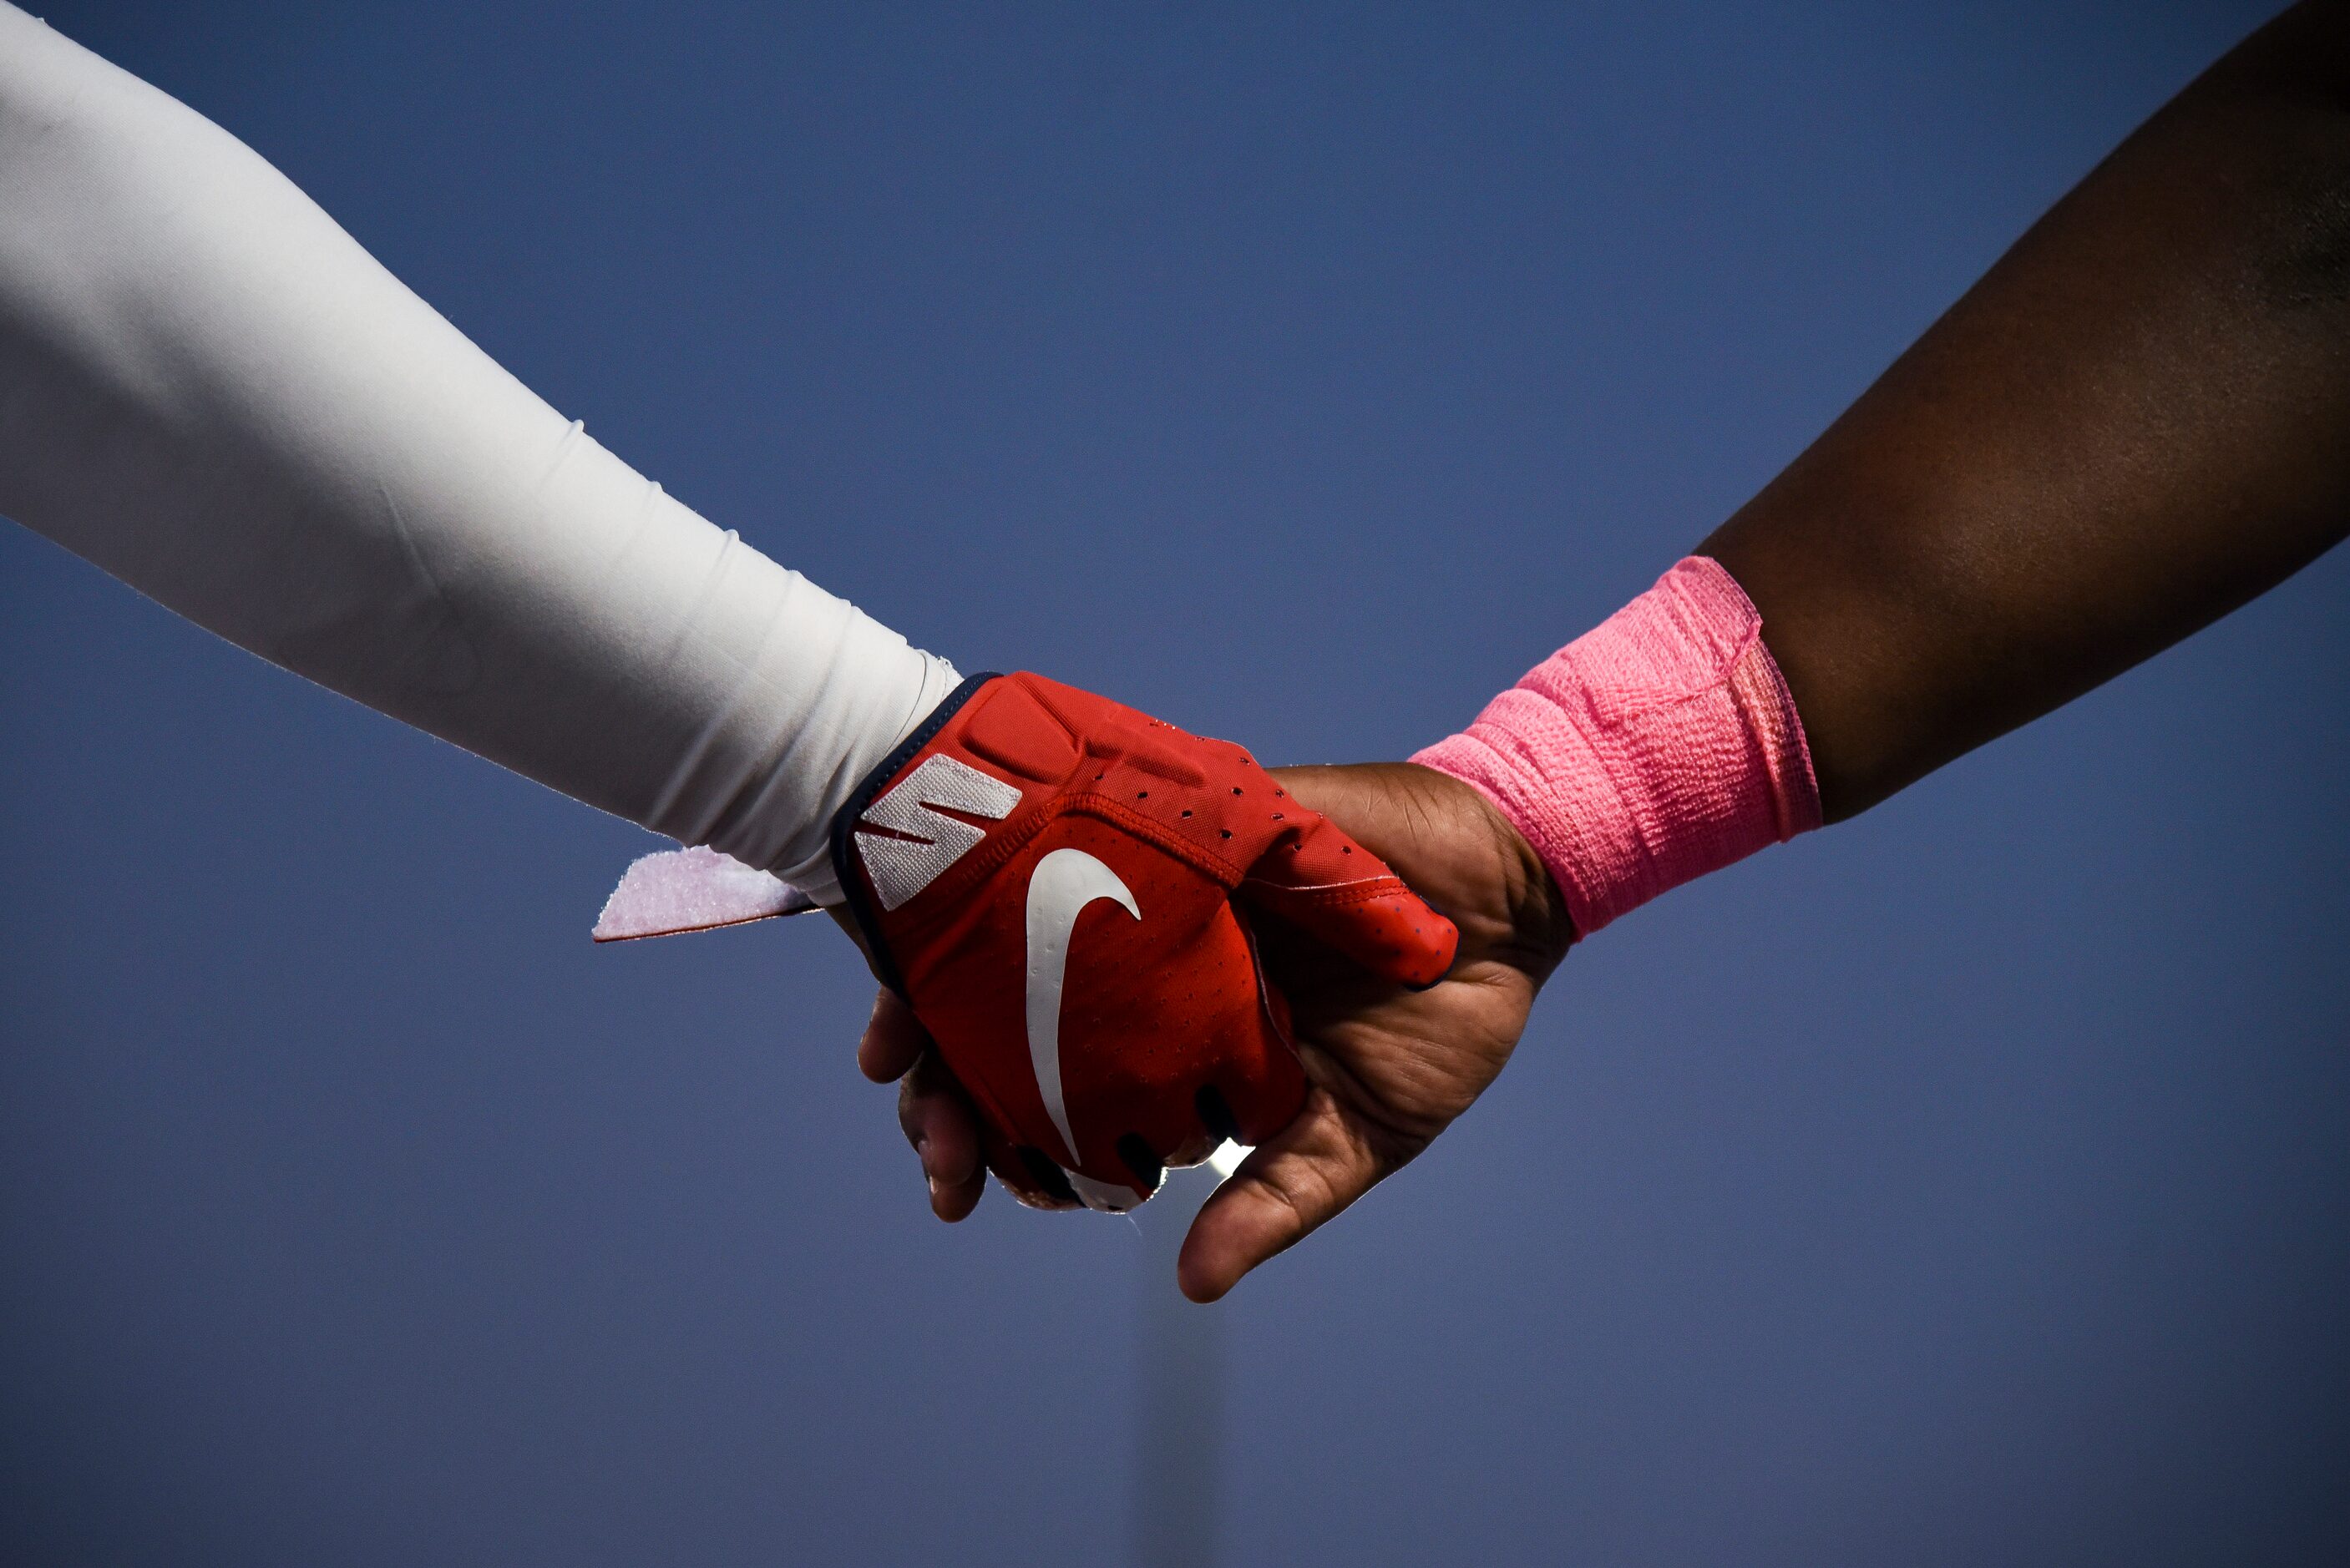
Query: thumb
point(1330, 887)
point(1294, 1183)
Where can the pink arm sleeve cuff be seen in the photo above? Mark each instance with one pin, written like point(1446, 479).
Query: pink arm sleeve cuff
point(1658, 746)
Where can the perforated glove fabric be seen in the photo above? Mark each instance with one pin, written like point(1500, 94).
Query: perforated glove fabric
point(1063, 890)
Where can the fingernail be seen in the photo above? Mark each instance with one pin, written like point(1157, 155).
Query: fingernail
point(935, 1189)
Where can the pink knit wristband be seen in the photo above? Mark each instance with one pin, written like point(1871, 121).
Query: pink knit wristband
point(1658, 746)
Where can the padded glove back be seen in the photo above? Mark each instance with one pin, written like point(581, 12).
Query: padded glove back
point(1049, 879)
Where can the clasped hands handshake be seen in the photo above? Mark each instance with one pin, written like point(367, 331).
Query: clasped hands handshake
point(1106, 946)
point(1298, 994)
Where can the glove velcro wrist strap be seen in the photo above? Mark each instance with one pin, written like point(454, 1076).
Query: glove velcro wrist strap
point(853, 892)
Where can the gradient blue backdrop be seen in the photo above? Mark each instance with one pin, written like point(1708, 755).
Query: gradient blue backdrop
point(1963, 1185)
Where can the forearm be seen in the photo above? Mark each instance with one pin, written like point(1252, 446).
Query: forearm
point(212, 391)
point(2138, 420)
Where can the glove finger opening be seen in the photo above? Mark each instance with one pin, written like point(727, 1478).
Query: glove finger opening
point(1148, 1167)
point(1045, 1179)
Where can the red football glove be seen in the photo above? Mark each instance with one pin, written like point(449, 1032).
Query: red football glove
point(1061, 887)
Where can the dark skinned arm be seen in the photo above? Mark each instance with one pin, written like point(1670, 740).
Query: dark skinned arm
point(2138, 420)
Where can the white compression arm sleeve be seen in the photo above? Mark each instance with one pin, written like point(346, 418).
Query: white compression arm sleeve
point(210, 391)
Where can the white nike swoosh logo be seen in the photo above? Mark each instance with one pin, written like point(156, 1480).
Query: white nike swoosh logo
point(1060, 888)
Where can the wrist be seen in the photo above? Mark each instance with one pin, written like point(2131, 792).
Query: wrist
point(917, 684)
point(1660, 746)
point(1530, 928)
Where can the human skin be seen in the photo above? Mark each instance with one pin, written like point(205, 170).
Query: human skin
point(2138, 420)
point(1389, 1068)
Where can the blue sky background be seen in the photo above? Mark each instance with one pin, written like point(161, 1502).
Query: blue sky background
point(1966, 1184)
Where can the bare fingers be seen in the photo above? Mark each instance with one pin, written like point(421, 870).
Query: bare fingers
point(939, 1122)
point(931, 1109)
point(1309, 1172)
point(894, 1040)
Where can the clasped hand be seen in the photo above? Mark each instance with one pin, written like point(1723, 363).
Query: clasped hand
point(1388, 1068)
